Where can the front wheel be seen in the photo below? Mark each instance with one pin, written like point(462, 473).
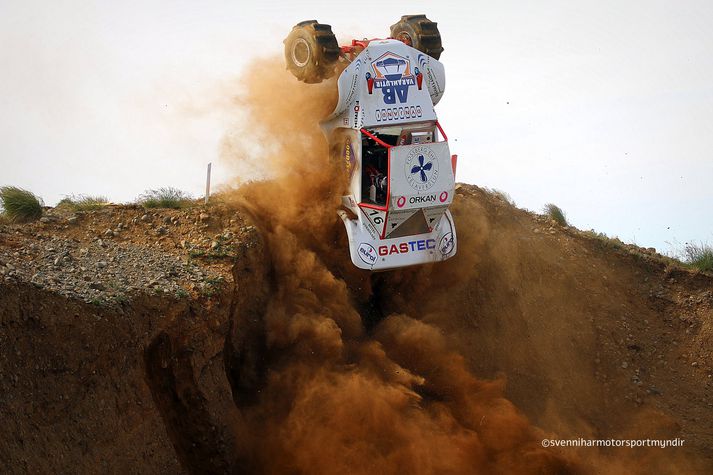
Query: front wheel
point(311, 51)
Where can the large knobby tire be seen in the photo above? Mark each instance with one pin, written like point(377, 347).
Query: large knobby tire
point(419, 32)
point(311, 51)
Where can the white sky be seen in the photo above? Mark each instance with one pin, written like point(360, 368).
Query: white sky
point(604, 108)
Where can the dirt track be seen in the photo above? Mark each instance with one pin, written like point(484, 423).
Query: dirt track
point(593, 339)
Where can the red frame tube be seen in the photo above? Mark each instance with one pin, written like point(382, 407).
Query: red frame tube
point(375, 138)
point(351, 49)
point(440, 129)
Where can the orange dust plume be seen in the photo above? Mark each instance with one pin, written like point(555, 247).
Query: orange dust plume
point(339, 398)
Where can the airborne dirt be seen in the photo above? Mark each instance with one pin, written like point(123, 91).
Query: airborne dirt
point(337, 399)
point(589, 343)
point(307, 365)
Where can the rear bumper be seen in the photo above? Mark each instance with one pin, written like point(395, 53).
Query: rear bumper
point(384, 254)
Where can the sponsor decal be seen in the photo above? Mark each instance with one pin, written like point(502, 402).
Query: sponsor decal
point(421, 168)
point(401, 201)
point(367, 253)
point(434, 88)
point(443, 197)
point(419, 199)
point(406, 247)
point(357, 108)
point(353, 85)
point(393, 76)
point(369, 82)
point(349, 157)
point(447, 244)
point(370, 229)
point(411, 112)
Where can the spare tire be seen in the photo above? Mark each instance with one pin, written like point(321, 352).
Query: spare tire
point(419, 32)
point(311, 51)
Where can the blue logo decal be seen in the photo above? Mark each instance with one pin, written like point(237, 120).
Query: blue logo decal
point(422, 168)
point(447, 244)
point(392, 74)
point(367, 253)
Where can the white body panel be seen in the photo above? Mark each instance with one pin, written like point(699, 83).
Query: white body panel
point(395, 97)
point(391, 85)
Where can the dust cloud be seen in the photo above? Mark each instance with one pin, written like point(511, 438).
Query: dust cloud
point(340, 398)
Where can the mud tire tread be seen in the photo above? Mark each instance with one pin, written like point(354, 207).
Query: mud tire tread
point(424, 34)
point(323, 51)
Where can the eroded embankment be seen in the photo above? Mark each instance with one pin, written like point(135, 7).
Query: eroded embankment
point(74, 395)
point(125, 374)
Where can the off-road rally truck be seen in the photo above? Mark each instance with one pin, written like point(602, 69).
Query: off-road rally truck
point(385, 131)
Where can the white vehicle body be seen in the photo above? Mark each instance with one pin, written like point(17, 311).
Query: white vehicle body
point(401, 172)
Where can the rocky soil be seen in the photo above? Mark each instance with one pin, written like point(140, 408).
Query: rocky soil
point(113, 330)
point(106, 256)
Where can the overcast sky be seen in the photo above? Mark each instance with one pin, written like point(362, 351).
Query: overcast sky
point(604, 108)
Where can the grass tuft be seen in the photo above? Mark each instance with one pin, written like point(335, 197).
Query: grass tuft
point(503, 195)
point(699, 256)
point(83, 202)
point(555, 212)
point(20, 205)
point(168, 197)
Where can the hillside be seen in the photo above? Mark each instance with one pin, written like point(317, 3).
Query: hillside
point(229, 339)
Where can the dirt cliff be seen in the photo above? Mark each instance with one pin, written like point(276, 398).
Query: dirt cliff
point(114, 328)
point(209, 341)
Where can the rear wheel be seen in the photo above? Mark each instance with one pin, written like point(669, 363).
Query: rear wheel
point(419, 32)
point(311, 51)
